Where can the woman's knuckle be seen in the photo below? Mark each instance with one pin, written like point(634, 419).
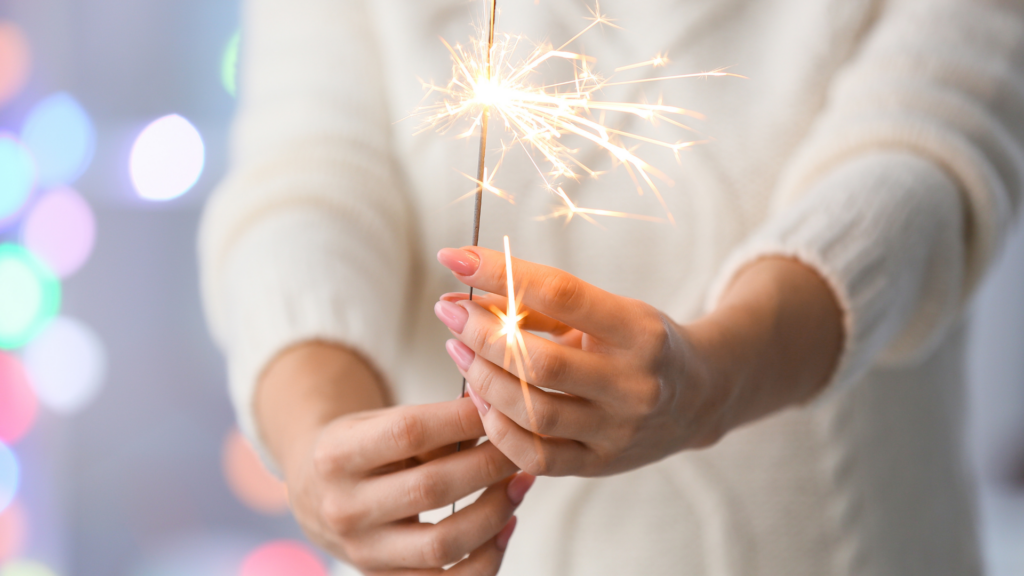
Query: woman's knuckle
point(562, 292)
point(546, 417)
point(537, 465)
point(439, 549)
point(338, 515)
point(482, 376)
point(549, 366)
point(425, 489)
point(407, 433)
point(325, 460)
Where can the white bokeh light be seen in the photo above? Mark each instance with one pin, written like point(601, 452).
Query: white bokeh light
point(67, 365)
point(167, 158)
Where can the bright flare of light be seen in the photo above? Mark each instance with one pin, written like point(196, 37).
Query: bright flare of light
point(26, 568)
point(15, 61)
point(282, 557)
point(538, 117)
point(12, 532)
point(249, 480)
point(229, 65)
point(67, 365)
point(62, 139)
point(18, 404)
point(60, 229)
point(10, 476)
point(17, 177)
point(167, 158)
point(515, 345)
point(29, 296)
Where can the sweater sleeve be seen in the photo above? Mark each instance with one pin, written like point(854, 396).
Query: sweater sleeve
point(308, 236)
point(904, 188)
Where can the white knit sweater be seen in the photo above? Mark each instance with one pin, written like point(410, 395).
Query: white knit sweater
point(879, 142)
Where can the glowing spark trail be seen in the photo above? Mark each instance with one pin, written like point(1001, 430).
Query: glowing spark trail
point(490, 79)
point(515, 345)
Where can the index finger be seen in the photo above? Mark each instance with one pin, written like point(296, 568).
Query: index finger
point(399, 433)
point(547, 290)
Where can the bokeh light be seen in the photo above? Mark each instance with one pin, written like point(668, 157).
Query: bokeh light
point(66, 364)
point(249, 480)
point(60, 229)
point(17, 177)
point(61, 137)
point(229, 64)
point(26, 568)
point(15, 61)
point(29, 296)
point(167, 158)
point(282, 558)
point(10, 476)
point(18, 404)
point(13, 532)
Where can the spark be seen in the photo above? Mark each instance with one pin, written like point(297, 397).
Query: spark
point(515, 345)
point(492, 80)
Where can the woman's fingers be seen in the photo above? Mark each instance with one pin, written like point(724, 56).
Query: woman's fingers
point(394, 435)
point(533, 454)
point(546, 364)
point(533, 321)
point(428, 486)
point(484, 561)
point(547, 290)
point(550, 414)
point(424, 545)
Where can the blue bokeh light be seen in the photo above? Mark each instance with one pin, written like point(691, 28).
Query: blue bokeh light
point(17, 177)
point(10, 475)
point(62, 139)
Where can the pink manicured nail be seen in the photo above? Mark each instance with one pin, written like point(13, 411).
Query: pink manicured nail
point(462, 355)
point(481, 405)
point(462, 262)
point(506, 534)
point(519, 486)
point(453, 315)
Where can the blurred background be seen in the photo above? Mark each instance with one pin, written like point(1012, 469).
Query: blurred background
point(118, 452)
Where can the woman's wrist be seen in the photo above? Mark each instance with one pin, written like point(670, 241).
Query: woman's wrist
point(773, 341)
point(304, 389)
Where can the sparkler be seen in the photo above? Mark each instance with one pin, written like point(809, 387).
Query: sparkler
point(489, 79)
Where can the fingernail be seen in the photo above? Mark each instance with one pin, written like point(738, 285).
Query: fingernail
point(506, 534)
point(481, 405)
point(519, 486)
point(454, 297)
point(453, 315)
point(462, 262)
point(462, 355)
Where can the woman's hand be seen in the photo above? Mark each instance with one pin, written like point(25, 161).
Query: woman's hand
point(628, 385)
point(358, 481)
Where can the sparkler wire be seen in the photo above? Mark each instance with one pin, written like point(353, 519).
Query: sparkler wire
point(481, 167)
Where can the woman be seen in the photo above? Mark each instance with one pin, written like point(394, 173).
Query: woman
point(770, 386)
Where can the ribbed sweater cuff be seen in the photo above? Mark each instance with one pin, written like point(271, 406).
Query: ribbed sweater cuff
point(871, 229)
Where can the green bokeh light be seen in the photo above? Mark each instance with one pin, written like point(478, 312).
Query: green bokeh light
point(25, 568)
point(29, 296)
point(229, 64)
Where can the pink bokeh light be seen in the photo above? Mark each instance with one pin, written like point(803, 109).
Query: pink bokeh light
point(18, 403)
point(12, 532)
point(283, 558)
point(60, 230)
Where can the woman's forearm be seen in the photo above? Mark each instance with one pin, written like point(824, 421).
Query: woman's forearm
point(775, 338)
point(306, 387)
